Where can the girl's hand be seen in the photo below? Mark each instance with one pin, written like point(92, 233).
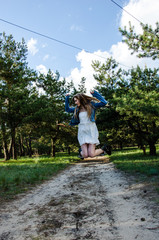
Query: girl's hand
point(91, 91)
point(67, 94)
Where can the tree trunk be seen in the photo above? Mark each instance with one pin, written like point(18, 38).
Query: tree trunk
point(121, 145)
point(10, 148)
point(14, 149)
point(21, 146)
point(144, 150)
point(69, 150)
point(142, 146)
point(29, 148)
point(4, 142)
point(53, 140)
point(1, 155)
point(152, 148)
point(5, 150)
point(53, 147)
point(54, 150)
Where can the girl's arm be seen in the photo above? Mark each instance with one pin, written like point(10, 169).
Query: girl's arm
point(102, 102)
point(67, 108)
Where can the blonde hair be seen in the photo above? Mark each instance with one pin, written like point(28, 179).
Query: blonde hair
point(85, 102)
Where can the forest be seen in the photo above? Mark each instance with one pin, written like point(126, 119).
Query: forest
point(33, 120)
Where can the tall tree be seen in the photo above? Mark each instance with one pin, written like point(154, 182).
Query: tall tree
point(109, 120)
point(53, 111)
point(15, 84)
point(140, 105)
point(146, 43)
point(135, 96)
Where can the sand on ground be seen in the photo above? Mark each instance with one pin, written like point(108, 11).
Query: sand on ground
point(89, 200)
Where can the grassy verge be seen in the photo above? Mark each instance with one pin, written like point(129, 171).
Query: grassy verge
point(17, 176)
point(134, 162)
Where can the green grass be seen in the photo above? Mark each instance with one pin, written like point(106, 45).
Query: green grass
point(17, 176)
point(144, 167)
point(133, 160)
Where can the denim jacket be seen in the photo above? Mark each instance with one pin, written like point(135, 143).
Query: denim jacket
point(74, 120)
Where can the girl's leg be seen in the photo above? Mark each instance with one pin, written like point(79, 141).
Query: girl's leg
point(92, 152)
point(84, 151)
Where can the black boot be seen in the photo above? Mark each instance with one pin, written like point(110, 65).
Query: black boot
point(79, 153)
point(107, 149)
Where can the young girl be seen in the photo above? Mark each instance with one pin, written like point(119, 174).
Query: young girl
point(84, 117)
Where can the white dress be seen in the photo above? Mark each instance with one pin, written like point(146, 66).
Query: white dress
point(87, 130)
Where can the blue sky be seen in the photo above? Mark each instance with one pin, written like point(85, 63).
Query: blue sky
point(88, 24)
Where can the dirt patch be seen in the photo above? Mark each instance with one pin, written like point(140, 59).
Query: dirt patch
point(90, 200)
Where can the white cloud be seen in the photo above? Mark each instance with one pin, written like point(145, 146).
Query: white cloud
point(147, 12)
point(45, 57)
point(144, 10)
point(32, 46)
point(44, 45)
point(123, 56)
point(42, 69)
point(86, 69)
point(76, 28)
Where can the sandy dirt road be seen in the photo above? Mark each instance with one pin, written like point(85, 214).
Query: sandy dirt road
point(89, 200)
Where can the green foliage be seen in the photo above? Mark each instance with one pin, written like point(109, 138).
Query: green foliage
point(109, 120)
point(141, 95)
point(132, 160)
point(19, 175)
point(32, 113)
point(146, 44)
point(81, 86)
point(52, 108)
point(133, 98)
point(31, 105)
point(16, 80)
point(140, 103)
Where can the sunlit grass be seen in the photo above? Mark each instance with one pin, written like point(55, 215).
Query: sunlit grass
point(133, 160)
point(144, 167)
point(19, 175)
